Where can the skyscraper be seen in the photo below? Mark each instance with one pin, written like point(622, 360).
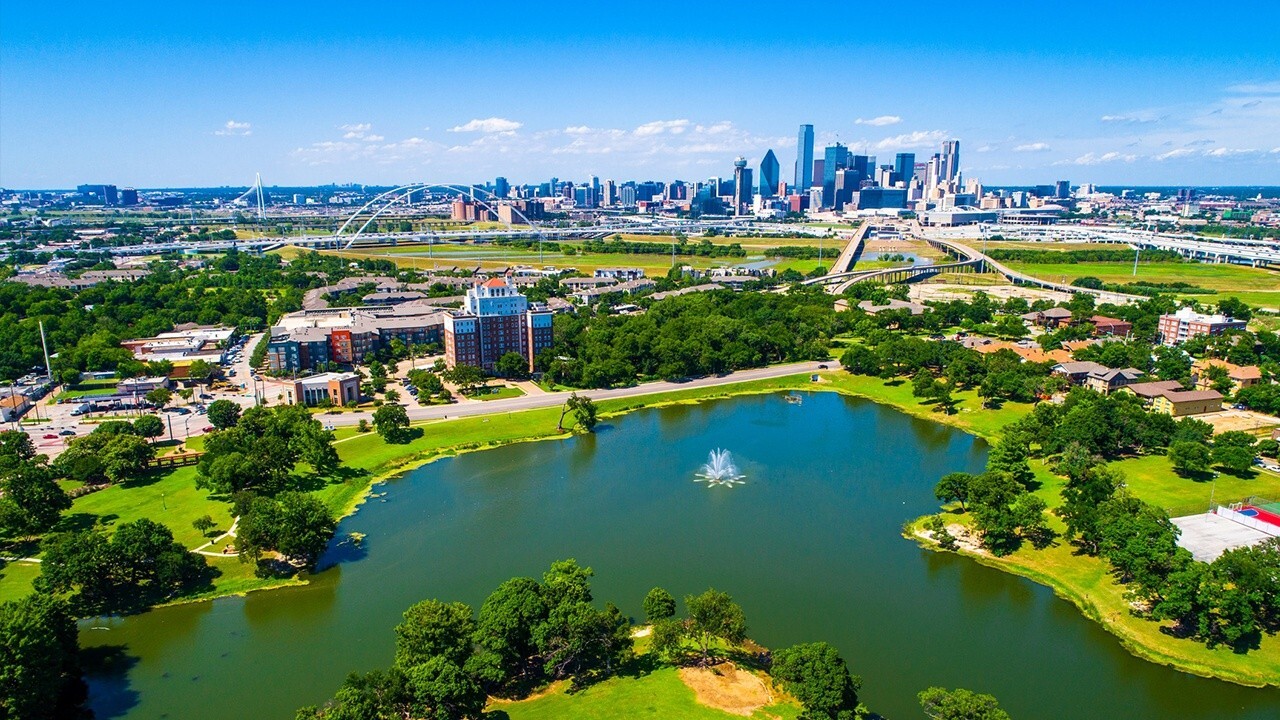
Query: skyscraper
point(950, 170)
point(741, 186)
point(804, 158)
point(501, 187)
point(769, 170)
point(904, 166)
point(835, 157)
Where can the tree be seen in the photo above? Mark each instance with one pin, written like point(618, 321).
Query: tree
point(30, 500)
point(1081, 501)
point(149, 426)
point(960, 704)
point(922, 384)
point(392, 423)
point(159, 397)
point(504, 630)
point(260, 451)
point(816, 675)
point(139, 565)
point(377, 375)
point(200, 371)
point(15, 447)
point(39, 660)
point(296, 525)
point(512, 365)
point(440, 690)
point(714, 615)
point(584, 413)
point(659, 605)
point(204, 524)
point(434, 629)
point(1233, 458)
point(1189, 458)
point(466, 377)
point(953, 487)
point(223, 414)
point(392, 396)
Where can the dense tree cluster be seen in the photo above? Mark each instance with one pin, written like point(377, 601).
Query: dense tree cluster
point(39, 660)
point(116, 451)
point(1071, 257)
point(139, 565)
point(448, 660)
point(816, 675)
point(297, 526)
point(260, 450)
point(689, 336)
point(30, 500)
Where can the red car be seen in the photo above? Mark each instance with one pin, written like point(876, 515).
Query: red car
point(207, 428)
point(50, 437)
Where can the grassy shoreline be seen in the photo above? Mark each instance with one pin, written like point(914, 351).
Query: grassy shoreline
point(1080, 580)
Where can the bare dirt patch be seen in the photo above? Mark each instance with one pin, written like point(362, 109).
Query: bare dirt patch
point(965, 537)
point(725, 687)
point(1245, 420)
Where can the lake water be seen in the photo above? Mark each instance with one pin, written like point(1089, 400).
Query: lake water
point(810, 546)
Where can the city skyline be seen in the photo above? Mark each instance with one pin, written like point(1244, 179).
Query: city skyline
point(315, 95)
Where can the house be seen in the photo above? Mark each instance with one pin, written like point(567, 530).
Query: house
point(1036, 354)
point(871, 308)
point(620, 273)
point(1103, 325)
point(1097, 377)
point(1187, 402)
point(1050, 318)
point(1149, 391)
point(1241, 376)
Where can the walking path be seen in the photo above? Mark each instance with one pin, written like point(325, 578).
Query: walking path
point(229, 533)
point(555, 399)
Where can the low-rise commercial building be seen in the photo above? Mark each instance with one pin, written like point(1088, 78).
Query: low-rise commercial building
point(309, 339)
point(1187, 402)
point(333, 388)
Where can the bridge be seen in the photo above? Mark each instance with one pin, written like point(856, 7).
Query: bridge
point(1239, 251)
point(967, 259)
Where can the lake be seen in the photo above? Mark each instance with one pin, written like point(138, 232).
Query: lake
point(810, 546)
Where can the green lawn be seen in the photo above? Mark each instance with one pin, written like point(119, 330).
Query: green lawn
point(1255, 286)
point(969, 414)
point(499, 393)
point(659, 694)
point(1152, 478)
point(16, 579)
point(87, 388)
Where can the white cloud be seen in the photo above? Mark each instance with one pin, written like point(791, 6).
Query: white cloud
point(657, 127)
point(1174, 154)
point(917, 139)
point(1129, 118)
point(1032, 147)
point(879, 121)
point(1257, 88)
point(489, 125)
point(1095, 159)
point(232, 127)
point(360, 131)
point(986, 148)
point(1227, 152)
point(357, 127)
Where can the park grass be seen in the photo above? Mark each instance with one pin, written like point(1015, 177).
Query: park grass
point(501, 393)
point(87, 388)
point(16, 579)
point(660, 694)
point(1259, 287)
point(969, 414)
point(1151, 477)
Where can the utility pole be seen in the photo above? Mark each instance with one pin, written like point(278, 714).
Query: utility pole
point(1136, 252)
point(45, 346)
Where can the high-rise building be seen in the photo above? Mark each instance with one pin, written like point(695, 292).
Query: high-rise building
point(608, 193)
point(104, 194)
point(742, 189)
point(501, 187)
point(769, 170)
point(495, 319)
point(835, 157)
point(627, 195)
point(1062, 189)
point(950, 170)
point(904, 166)
point(819, 171)
point(804, 158)
point(128, 196)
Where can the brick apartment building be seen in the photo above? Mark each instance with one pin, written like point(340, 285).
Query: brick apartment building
point(495, 319)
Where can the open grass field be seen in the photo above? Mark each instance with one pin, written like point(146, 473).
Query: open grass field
point(658, 694)
point(1255, 286)
point(1152, 478)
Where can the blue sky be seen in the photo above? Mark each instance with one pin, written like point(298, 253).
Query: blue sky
point(178, 94)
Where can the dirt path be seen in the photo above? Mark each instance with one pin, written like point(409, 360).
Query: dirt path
point(725, 687)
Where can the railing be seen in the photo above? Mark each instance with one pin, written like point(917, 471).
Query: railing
point(178, 460)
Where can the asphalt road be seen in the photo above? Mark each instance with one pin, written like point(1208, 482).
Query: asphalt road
point(555, 399)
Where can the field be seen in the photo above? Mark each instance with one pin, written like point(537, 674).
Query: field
point(1255, 286)
point(658, 694)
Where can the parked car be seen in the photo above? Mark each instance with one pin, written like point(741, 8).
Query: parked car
point(50, 436)
point(67, 431)
point(823, 366)
point(207, 428)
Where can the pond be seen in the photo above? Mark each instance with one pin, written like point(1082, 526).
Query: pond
point(809, 544)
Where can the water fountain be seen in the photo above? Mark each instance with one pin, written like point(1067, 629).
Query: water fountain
point(720, 470)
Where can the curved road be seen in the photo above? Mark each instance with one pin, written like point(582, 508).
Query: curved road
point(556, 399)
